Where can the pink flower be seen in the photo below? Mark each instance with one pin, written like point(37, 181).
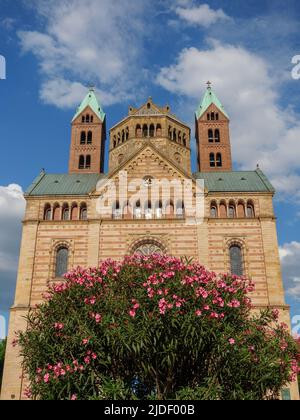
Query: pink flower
point(46, 378)
point(87, 360)
point(85, 341)
point(231, 341)
point(59, 326)
point(234, 304)
point(74, 397)
point(98, 318)
point(132, 313)
point(198, 312)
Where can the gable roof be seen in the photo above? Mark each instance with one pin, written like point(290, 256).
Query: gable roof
point(208, 99)
point(63, 184)
point(239, 181)
point(90, 101)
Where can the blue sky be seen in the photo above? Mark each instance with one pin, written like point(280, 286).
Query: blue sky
point(133, 49)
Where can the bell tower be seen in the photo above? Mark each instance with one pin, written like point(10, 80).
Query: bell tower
point(212, 134)
point(88, 137)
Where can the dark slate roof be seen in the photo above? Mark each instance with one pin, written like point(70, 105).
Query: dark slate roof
point(242, 181)
point(60, 184)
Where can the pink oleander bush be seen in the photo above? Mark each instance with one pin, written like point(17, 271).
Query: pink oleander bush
point(154, 328)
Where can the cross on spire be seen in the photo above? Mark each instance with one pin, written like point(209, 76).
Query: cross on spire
point(209, 85)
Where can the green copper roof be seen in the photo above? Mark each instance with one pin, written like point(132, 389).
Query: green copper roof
point(251, 181)
point(208, 99)
point(90, 101)
point(72, 184)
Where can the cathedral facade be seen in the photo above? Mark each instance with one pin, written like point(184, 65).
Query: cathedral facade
point(222, 218)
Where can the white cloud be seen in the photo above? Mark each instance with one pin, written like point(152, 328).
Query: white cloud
point(261, 131)
point(12, 207)
point(199, 15)
point(290, 261)
point(84, 42)
point(2, 327)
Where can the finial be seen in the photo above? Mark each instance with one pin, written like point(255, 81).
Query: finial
point(209, 85)
point(92, 87)
point(257, 166)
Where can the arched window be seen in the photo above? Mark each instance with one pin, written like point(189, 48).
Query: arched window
point(83, 137)
point(159, 210)
point(210, 136)
point(81, 162)
point(145, 130)
point(90, 137)
point(152, 130)
point(217, 117)
point(56, 212)
point(170, 133)
point(236, 260)
point(169, 211)
point(250, 210)
point(241, 210)
point(116, 211)
point(213, 210)
point(208, 117)
point(158, 130)
point(184, 140)
point(87, 118)
point(127, 211)
point(115, 141)
point(66, 212)
point(137, 210)
point(175, 135)
point(83, 119)
point(74, 212)
point(219, 160)
point(123, 136)
point(212, 116)
point(180, 209)
point(223, 210)
point(62, 261)
point(47, 212)
point(148, 247)
point(148, 210)
point(127, 134)
point(138, 131)
point(231, 211)
point(88, 162)
point(212, 160)
point(217, 136)
point(83, 212)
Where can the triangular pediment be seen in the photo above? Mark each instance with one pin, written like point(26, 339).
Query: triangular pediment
point(149, 108)
point(150, 158)
point(149, 161)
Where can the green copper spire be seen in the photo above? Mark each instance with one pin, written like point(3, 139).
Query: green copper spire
point(90, 101)
point(208, 99)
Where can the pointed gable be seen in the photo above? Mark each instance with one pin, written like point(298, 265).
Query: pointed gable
point(90, 101)
point(209, 98)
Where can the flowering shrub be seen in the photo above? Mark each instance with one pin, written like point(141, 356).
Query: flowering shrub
point(154, 328)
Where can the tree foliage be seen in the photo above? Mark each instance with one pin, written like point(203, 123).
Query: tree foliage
point(2, 356)
point(154, 328)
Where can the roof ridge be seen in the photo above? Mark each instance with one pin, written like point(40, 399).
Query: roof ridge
point(35, 183)
point(265, 180)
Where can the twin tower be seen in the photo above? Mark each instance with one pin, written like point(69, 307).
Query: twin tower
point(153, 124)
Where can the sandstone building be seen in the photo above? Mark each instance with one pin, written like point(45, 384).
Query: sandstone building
point(63, 227)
